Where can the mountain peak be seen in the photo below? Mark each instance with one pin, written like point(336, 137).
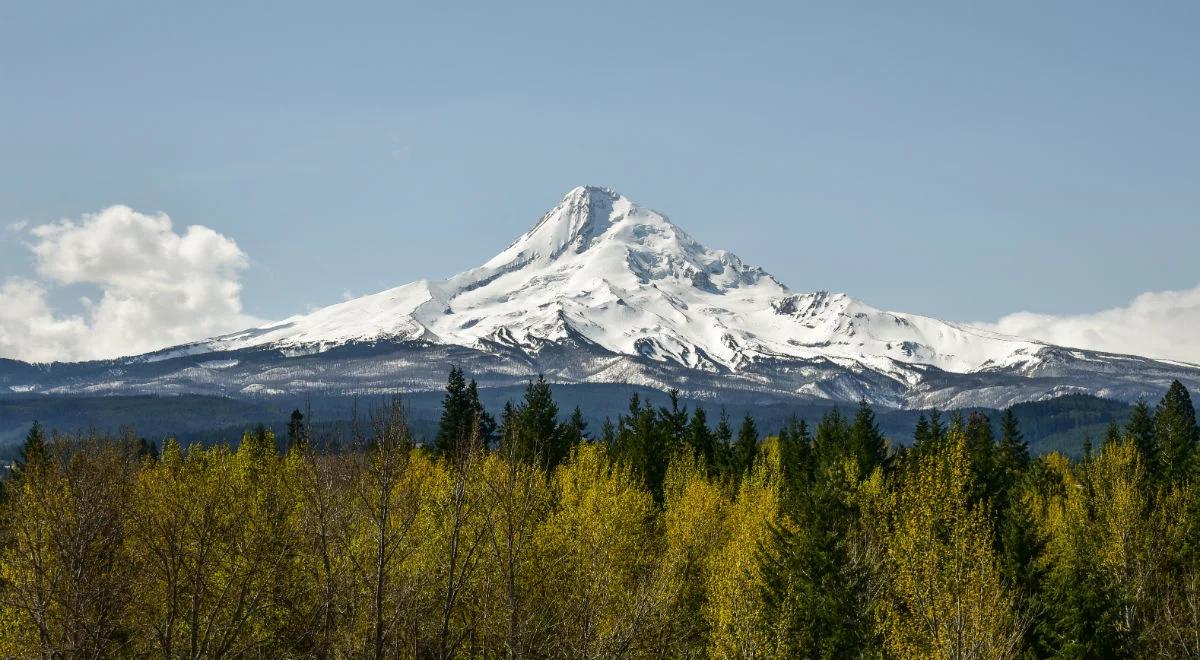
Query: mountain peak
point(589, 192)
point(583, 216)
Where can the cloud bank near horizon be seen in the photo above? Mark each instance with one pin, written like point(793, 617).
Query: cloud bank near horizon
point(157, 287)
point(1161, 324)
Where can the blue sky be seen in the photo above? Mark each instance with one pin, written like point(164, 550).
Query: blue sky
point(960, 160)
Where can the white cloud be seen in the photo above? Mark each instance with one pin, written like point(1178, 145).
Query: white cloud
point(158, 288)
point(1163, 324)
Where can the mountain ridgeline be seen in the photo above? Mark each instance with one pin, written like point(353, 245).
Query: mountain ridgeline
point(603, 291)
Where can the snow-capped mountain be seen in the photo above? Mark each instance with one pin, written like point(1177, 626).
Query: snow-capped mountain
point(603, 290)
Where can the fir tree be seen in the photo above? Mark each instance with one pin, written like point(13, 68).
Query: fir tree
point(575, 428)
point(33, 451)
point(1140, 428)
point(454, 427)
point(937, 430)
point(723, 441)
point(295, 431)
point(746, 446)
point(608, 434)
point(921, 431)
point(867, 444)
point(700, 438)
point(538, 435)
point(484, 423)
point(1012, 454)
point(675, 418)
point(981, 453)
point(1176, 434)
point(642, 441)
point(831, 440)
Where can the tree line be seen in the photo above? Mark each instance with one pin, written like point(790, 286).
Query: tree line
point(661, 534)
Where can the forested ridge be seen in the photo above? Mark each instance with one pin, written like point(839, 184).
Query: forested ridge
point(664, 533)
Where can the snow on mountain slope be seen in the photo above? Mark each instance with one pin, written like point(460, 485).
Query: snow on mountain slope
point(602, 291)
point(625, 278)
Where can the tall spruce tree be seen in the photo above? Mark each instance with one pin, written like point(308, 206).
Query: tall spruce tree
point(921, 431)
point(867, 444)
point(484, 423)
point(1176, 433)
point(296, 433)
point(746, 446)
point(675, 418)
point(455, 423)
point(1140, 428)
point(701, 439)
point(34, 451)
point(981, 452)
point(723, 441)
point(795, 449)
point(813, 592)
point(1012, 454)
point(538, 436)
point(831, 440)
point(575, 428)
point(643, 441)
point(937, 430)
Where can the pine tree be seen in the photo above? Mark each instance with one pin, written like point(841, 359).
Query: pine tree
point(1176, 433)
point(642, 442)
point(1012, 454)
point(33, 452)
point(295, 431)
point(746, 446)
point(981, 451)
point(867, 444)
point(1140, 428)
point(921, 431)
point(1022, 546)
point(675, 418)
point(531, 429)
point(795, 457)
point(484, 423)
point(937, 430)
point(608, 433)
point(723, 440)
point(813, 591)
point(701, 439)
point(831, 441)
point(575, 428)
point(454, 426)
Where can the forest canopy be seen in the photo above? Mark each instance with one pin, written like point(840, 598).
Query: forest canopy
point(664, 533)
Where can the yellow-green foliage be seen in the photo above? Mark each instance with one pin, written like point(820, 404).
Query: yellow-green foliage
point(386, 550)
point(944, 597)
point(600, 552)
point(694, 520)
point(734, 611)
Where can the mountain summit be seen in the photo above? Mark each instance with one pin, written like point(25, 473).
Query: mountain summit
point(603, 290)
point(607, 271)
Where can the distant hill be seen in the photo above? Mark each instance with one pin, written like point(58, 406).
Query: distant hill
point(1056, 424)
